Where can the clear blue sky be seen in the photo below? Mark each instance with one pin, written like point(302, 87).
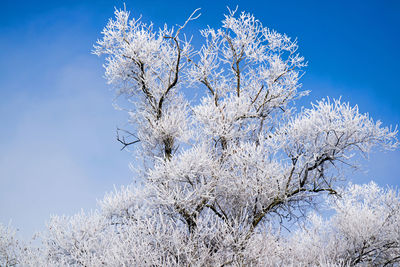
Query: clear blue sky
point(57, 139)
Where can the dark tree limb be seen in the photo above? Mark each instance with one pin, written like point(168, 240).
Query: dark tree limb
point(123, 141)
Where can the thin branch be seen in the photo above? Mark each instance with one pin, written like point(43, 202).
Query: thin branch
point(123, 141)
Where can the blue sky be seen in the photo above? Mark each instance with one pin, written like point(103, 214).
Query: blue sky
point(57, 138)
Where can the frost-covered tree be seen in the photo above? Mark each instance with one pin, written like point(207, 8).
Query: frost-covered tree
point(9, 247)
point(364, 230)
point(225, 177)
